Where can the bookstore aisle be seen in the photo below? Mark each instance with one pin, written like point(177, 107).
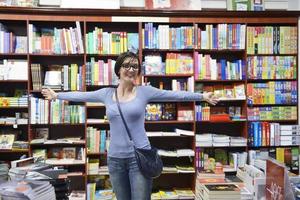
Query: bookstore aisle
point(245, 147)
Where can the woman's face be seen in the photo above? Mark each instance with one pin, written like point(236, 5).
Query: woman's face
point(129, 70)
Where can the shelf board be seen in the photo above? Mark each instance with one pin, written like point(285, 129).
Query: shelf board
point(219, 81)
point(13, 124)
point(274, 120)
point(14, 150)
point(99, 123)
point(221, 50)
point(57, 144)
point(267, 80)
point(13, 81)
point(67, 164)
point(14, 107)
point(89, 107)
point(100, 174)
point(167, 76)
point(163, 172)
point(55, 55)
point(39, 91)
point(273, 146)
point(59, 124)
point(168, 50)
point(102, 55)
point(264, 105)
point(272, 55)
point(99, 86)
point(230, 100)
point(13, 54)
point(222, 122)
point(221, 147)
point(169, 122)
point(96, 154)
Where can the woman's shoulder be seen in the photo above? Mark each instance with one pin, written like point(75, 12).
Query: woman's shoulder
point(144, 87)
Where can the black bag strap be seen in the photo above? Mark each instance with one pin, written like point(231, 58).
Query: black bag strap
point(123, 119)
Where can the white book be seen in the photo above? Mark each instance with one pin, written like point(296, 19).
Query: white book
point(50, 3)
point(79, 34)
point(276, 5)
point(17, 69)
point(184, 132)
point(213, 4)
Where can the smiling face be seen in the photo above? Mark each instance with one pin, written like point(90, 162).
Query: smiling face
point(129, 70)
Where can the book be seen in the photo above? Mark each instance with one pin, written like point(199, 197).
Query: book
point(275, 175)
point(6, 141)
point(77, 195)
point(173, 4)
point(239, 5)
point(221, 188)
point(41, 133)
point(53, 77)
point(69, 152)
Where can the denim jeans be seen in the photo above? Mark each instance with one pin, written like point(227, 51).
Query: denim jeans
point(127, 181)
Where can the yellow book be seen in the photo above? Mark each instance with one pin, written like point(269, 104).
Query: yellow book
point(272, 92)
point(280, 155)
point(122, 42)
point(74, 70)
point(168, 194)
point(167, 64)
point(281, 40)
point(155, 195)
point(125, 41)
point(100, 37)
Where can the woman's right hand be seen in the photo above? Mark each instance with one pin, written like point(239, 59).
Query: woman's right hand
point(49, 94)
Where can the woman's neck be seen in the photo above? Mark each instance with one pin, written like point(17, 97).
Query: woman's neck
point(125, 88)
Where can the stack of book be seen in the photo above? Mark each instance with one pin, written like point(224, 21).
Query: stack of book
point(221, 140)
point(238, 141)
point(219, 191)
point(3, 172)
point(204, 140)
point(37, 190)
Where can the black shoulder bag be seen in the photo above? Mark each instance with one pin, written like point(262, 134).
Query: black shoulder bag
point(148, 160)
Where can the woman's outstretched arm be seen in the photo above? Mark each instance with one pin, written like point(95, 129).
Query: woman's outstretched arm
point(155, 94)
point(93, 96)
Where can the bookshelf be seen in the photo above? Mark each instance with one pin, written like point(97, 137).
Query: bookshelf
point(135, 21)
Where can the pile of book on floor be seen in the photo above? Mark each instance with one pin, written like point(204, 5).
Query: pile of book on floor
point(3, 172)
point(29, 170)
point(37, 190)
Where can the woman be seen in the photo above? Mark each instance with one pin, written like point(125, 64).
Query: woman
point(127, 181)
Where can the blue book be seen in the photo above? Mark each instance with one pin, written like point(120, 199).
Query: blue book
point(133, 41)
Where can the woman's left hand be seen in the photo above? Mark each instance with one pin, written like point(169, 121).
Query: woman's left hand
point(210, 98)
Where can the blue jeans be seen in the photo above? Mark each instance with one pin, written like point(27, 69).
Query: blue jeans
point(127, 181)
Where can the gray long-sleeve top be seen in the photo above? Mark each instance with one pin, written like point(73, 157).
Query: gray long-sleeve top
point(133, 111)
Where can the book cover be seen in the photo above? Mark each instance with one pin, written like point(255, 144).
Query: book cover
point(6, 141)
point(41, 133)
point(221, 188)
point(275, 175)
point(173, 4)
point(69, 152)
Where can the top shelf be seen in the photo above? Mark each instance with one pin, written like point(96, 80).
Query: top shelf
point(146, 12)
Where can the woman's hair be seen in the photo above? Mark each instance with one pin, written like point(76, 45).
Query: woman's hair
point(122, 57)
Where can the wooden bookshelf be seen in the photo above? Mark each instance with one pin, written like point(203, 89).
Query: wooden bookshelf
point(114, 20)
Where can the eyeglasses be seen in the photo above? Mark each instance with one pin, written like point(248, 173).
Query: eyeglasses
point(127, 66)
